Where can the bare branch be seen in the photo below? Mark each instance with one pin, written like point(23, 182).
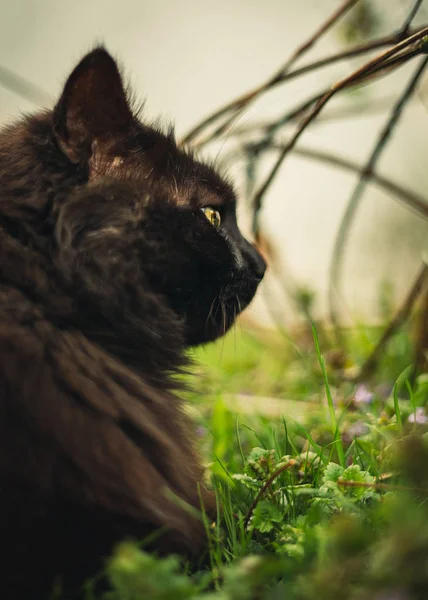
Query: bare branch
point(329, 60)
point(237, 105)
point(301, 109)
point(401, 315)
point(355, 199)
point(415, 202)
point(266, 486)
point(367, 70)
point(324, 28)
point(24, 88)
point(411, 16)
point(354, 111)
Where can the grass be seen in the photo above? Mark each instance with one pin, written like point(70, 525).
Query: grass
point(322, 484)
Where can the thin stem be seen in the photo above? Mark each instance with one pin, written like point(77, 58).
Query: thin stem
point(411, 15)
point(242, 101)
point(236, 104)
point(408, 197)
point(301, 109)
point(328, 60)
point(395, 323)
point(24, 88)
point(334, 423)
point(379, 486)
point(324, 28)
point(265, 487)
point(357, 76)
point(421, 345)
point(360, 110)
point(354, 201)
point(353, 52)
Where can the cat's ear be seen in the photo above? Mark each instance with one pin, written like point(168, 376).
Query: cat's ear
point(93, 106)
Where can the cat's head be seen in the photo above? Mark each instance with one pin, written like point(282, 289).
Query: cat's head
point(147, 213)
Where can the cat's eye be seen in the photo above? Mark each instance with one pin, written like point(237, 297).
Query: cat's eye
point(212, 215)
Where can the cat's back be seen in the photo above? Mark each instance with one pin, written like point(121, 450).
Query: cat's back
point(87, 450)
point(87, 446)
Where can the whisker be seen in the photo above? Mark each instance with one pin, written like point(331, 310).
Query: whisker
point(239, 313)
point(234, 326)
point(233, 125)
point(211, 311)
point(223, 313)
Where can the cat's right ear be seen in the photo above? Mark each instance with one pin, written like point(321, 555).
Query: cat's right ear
point(93, 107)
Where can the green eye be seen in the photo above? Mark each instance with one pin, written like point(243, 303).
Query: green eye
point(212, 215)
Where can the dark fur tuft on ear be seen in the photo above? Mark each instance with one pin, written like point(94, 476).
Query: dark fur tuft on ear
point(93, 106)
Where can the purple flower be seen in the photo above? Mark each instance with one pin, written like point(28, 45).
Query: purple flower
point(363, 395)
point(358, 429)
point(418, 417)
point(201, 431)
point(354, 430)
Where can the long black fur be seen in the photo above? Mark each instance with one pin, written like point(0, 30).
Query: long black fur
point(109, 270)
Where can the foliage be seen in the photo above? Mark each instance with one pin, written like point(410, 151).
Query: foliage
point(294, 522)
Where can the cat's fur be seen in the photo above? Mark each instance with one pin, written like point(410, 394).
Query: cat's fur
point(109, 269)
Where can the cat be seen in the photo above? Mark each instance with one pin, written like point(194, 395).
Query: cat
point(119, 250)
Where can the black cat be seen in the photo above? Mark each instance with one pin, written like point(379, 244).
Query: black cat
point(118, 250)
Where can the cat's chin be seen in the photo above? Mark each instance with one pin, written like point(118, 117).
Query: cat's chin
point(220, 319)
point(207, 335)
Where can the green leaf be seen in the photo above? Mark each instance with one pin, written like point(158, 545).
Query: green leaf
point(332, 472)
point(247, 481)
point(265, 516)
point(260, 463)
point(356, 475)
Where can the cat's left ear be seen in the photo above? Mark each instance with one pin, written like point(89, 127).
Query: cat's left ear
point(93, 106)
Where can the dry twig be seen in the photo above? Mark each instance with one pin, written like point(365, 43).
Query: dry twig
point(413, 43)
point(366, 174)
point(416, 203)
point(24, 88)
point(399, 318)
point(265, 487)
point(352, 52)
point(237, 105)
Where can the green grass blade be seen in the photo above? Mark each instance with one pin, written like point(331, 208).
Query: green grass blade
point(397, 408)
point(334, 424)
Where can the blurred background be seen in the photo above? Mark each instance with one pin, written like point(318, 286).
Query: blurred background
point(188, 58)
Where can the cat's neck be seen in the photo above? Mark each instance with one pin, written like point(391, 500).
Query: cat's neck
point(136, 326)
point(151, 344)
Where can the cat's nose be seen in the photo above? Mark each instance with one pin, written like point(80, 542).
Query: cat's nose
point(256, 262)
point(259, 265)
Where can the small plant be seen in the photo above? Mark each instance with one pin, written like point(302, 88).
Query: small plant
point(309, 508)
point(317, 531)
